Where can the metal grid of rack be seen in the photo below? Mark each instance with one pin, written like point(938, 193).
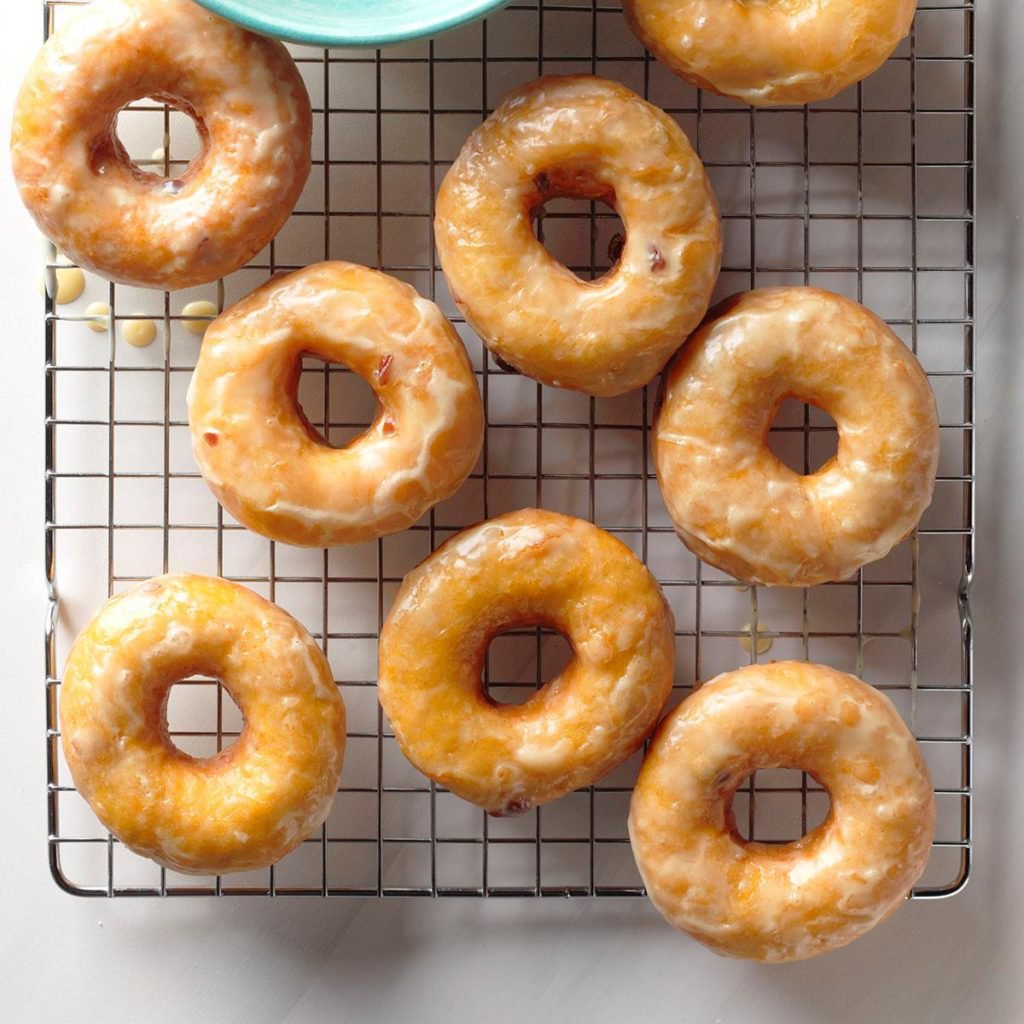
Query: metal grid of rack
point(870, 194)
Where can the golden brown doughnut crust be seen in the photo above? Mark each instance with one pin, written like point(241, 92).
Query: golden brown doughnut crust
point(252, 113)
point(734, 504)
point(584, 137)
point(271, 470)
point(523, 569)
point(771, 52)
point(782, 902)
point(243, 808)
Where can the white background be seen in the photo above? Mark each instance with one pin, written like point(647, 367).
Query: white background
point(63, 959)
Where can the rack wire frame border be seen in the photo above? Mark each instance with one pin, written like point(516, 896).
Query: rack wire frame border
point(965, 790)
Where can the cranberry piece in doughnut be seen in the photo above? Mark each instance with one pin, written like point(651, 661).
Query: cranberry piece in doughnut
point(526, 568)
point(792, 901)
point(771, 52)
point(251, 111)
point(258, 452)
point(733, 502)
point(587, 138)
point(243, 808)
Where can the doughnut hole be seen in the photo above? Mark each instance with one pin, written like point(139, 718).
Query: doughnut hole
point(576, 221)
point(202, 718)
point(786, 805)
point(337, 404)
point(166, 148)
point(522, 661)
point(803, 437)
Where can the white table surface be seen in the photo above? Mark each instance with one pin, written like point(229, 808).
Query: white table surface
point(252, 960)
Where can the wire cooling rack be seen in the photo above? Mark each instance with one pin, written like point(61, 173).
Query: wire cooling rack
point(870, 195)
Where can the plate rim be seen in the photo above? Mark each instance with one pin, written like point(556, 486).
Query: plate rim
point(280, 27)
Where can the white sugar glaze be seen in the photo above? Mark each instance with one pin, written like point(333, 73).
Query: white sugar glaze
point(771, 52)
point(733, 502)
point(257, 451)
point(791, 901)
point(252, 113)
point(243, 808)
point(586, 137)
point(525, 568)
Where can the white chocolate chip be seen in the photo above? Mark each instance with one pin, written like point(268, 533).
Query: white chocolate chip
point(202, 313)
point(139, 333)
point(764, 643)
point(100, 313)
point(66, 286)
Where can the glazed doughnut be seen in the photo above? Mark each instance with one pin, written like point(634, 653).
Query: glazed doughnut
point(793, 901)
point(251, 111)
point(587, 138)
point(525, 569)
point(733, 502)
point(243, 808)
point(774, 52)
point(257, 451)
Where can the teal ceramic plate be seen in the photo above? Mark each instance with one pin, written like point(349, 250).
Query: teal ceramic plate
point(351, 22)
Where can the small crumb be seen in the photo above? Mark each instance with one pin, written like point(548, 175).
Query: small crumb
point(657, 260)
point(515, 807)
point(387, 428)
point(173, 187)
point(384, 368)
point(502, 365)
